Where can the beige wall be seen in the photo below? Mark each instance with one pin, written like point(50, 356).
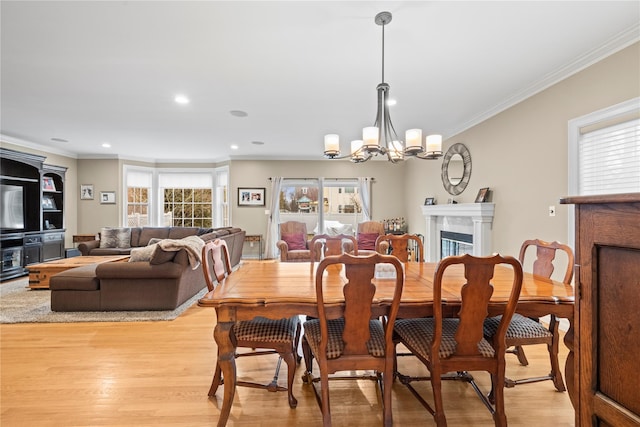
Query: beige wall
point(386, 200)
point(521, 154)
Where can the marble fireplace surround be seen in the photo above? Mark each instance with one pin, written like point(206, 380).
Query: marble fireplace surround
point(468, 218)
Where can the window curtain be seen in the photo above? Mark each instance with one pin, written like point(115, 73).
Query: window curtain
point(364, 186)
point(271, 251)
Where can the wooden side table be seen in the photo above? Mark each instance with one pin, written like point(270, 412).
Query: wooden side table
point(251, 238)
point(79, 238)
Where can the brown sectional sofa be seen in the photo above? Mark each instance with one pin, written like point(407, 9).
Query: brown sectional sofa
point(142, 285)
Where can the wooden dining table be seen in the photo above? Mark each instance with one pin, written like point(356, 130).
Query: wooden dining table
point(279, 290)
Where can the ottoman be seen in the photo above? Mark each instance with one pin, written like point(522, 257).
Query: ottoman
point(76, 289)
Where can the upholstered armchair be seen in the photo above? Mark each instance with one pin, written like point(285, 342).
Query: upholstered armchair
point(293, 243)
point(368, 232)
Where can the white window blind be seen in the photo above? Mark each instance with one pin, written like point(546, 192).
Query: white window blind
point(609, 159)
point(139, 179)
point(185, 180)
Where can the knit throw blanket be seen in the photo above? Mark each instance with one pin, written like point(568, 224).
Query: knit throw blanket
point(192, 245)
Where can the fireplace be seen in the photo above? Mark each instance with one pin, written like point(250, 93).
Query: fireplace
point(474, 219)
point(455, 243)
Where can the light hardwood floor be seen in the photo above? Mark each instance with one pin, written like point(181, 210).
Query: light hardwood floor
point(158, 374)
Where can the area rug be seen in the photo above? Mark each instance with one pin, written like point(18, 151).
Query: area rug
point(19, 304)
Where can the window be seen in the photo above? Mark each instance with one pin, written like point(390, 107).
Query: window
point(160, 197)
point(339, 210)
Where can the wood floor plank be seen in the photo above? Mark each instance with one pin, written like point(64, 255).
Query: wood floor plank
point(158, 374)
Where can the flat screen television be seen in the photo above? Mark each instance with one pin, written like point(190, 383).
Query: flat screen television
point(12, 207)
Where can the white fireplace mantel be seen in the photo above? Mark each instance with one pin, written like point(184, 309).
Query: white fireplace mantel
point(468, 218)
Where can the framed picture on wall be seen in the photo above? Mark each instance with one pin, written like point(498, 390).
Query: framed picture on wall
point(86, 192)
point(251, 196)
point(107, 197)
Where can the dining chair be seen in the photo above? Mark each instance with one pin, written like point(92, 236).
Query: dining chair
point(399, 246)
point(263, 336)
point(353, 338)
point(293, 244)
point(528, 331)
point(333, 245)
point(446, 344)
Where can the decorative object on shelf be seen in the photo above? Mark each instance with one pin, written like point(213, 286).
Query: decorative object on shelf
point(108, 197)
point(430, 201)
point(48, 203)
point(456, 169)
point(48, 184)
point(483, 195)
point(251, 196)
point(86, 192)
point(381, 138)
point(395, 225)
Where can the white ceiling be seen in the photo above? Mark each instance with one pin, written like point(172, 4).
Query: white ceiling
point(94, 72)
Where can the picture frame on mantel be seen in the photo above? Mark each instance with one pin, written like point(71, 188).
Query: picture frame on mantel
point(251, 196)
point(430, 201)
point(483, 195)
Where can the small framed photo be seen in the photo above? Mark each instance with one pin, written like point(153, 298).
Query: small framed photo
point(108, 197)
point(483, 195)
point(48, 203)
point(86, 192)
point(251, 196)
point(430, 201)
point(47, 184)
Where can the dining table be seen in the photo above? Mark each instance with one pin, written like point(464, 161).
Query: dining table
point(283, 289)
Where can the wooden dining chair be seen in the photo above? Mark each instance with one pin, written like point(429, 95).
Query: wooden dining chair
point(332, 245)
point(398, 245)
point(263, 336)
point(528, 331)
point(457, 344)
point(353, 338)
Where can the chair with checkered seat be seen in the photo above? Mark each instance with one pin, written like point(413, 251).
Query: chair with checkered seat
point(263, 336)
point(529, 331)
point(354, 338)
point(457, 345)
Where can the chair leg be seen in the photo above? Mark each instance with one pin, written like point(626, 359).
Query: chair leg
point(290, 359)
point(553, 355)
point(519, 352)
point(325, 407)
point(387, 382)
point(436, 384)
point(499, 416)
point(217, 380)
point(307, 377)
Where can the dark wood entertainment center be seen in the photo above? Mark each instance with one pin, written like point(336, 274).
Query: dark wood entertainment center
point(35, 231)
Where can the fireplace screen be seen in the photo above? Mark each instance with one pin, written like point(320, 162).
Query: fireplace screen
point(455, 243)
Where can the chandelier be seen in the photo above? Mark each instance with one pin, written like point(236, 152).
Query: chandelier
point(381, 138)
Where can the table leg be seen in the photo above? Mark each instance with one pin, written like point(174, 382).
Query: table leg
point(227, 360)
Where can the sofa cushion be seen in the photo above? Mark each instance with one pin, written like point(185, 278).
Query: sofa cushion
point(182, 232)
point(115, 238)
point(295, 241)
point(142, 254)
point(367, 241)
point(147, 233)
point(81, 278)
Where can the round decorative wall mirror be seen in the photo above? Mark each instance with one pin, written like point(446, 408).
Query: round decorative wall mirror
point(456, 169)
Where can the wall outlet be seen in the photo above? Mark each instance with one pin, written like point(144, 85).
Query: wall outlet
point(552, 211)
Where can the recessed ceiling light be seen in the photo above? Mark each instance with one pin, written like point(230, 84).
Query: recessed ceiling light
point(238, 113)
point(106, 145)
point(257, 142)
point(234, 147)
point(181, 99)
point(59, 140)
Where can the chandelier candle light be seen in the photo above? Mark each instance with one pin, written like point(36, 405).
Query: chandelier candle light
point(381, 138)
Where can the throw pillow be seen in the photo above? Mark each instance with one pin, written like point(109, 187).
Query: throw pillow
point(160, 256)
point(295, 241)
point(367, 241)
point(153, 240)
point(115, 238)
point(142, 254)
